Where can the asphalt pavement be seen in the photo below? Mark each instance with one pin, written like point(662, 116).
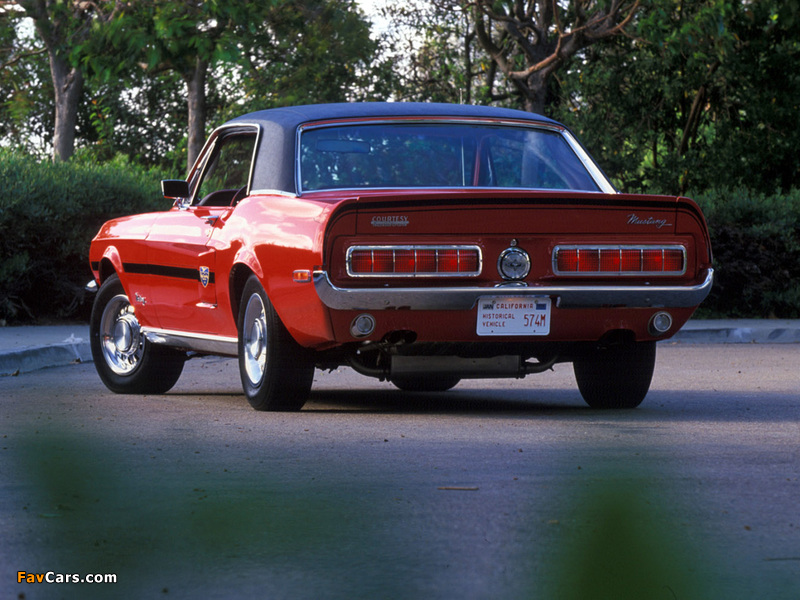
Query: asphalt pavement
point(29, 348)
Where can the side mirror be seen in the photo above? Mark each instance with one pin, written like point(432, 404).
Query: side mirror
point(175, 188)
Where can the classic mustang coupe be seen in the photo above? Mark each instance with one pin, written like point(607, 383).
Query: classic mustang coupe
point(416, 243)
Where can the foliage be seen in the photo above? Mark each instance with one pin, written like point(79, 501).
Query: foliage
point(49, 212)
point(142, 117)
point(756, 243)
point(531, 41)
point(433, 44)
point(704, 95)
point(26, 90)
point(505, 51)
point(155, 70)
point(310, 51)
point(697, 94)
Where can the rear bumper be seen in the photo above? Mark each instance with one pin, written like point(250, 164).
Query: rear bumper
point(465, 298)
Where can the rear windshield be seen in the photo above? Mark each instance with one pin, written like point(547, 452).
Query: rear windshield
point(397, 155)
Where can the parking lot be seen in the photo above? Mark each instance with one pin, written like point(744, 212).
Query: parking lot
point(502, 489)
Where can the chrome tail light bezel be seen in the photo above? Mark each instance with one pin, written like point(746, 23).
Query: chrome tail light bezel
point(610, 249)
point(474, 251)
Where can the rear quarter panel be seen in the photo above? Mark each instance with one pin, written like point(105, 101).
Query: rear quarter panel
point(275, 236)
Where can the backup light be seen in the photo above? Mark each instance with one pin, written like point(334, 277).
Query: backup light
point(660, 323)
point(362, 326)
point(619, 260)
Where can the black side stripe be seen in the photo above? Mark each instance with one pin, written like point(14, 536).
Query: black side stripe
point(165, 271)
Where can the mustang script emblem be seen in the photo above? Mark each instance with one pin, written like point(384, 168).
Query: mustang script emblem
point(634, 219)
point(205, 274)
point(390, 221)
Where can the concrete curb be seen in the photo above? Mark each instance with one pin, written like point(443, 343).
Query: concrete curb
point(740, 331)
point(33, 359)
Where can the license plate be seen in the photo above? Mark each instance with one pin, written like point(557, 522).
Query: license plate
point(499, 315)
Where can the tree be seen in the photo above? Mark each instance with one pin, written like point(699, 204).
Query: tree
point(64, 26)
point(186, 37)
point(756, 134)
point(26, 89)
point(151, 69)
point(530, 40)
point(432, 43)
point(312, 51)
point(256, 51)
point(704, 94)
point(499, 51)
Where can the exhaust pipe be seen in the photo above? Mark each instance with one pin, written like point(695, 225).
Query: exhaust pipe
point(466, 368)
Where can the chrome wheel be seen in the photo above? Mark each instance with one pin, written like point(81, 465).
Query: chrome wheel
point(126, 362)
point(255, 339)
point(121, 337)
point(276, 372)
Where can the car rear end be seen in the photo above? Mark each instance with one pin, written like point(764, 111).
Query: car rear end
point(523, 256)
point(514, 266)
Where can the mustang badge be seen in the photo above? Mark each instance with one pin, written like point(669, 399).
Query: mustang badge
point(205, 275)
point(634, 219)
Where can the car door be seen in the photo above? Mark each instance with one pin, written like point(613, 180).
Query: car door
point(185, 276)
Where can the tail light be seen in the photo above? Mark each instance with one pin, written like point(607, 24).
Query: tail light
point(619, 260)
point(414, 261)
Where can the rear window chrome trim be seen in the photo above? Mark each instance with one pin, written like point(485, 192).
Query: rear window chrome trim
point(662, 247)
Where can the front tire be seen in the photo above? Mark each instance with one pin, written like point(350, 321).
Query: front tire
point(617, 376)
point(276, 371)
point(126, 362)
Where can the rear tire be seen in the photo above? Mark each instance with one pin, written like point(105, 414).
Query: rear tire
point(126, 362)
point(617, 376)
point(276, 371)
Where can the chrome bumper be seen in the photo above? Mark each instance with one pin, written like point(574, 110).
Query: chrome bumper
point(464, 298)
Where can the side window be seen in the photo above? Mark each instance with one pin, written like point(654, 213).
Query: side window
point(227, 170)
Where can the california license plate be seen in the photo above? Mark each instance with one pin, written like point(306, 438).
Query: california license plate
point(499, 315)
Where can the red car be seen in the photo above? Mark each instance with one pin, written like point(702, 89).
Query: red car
point(416, 243)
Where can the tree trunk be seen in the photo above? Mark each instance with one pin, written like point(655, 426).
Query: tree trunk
point(68, 86)
point(67, 79)
point(196, 88)
point(535, 89)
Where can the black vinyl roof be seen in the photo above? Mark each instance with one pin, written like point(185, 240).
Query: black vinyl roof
point(275, 161)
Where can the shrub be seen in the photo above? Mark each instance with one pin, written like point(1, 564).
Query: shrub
point(49, 212)
point(756, 243)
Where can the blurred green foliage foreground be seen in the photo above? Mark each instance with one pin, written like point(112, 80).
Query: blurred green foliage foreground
point(170, 528)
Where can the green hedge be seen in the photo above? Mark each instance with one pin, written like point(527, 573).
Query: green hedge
point(756, 243)
point(49, 212)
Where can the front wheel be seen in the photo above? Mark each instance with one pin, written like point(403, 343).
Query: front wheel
point(126, 362)
point(617, 376)
point(276, 371)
